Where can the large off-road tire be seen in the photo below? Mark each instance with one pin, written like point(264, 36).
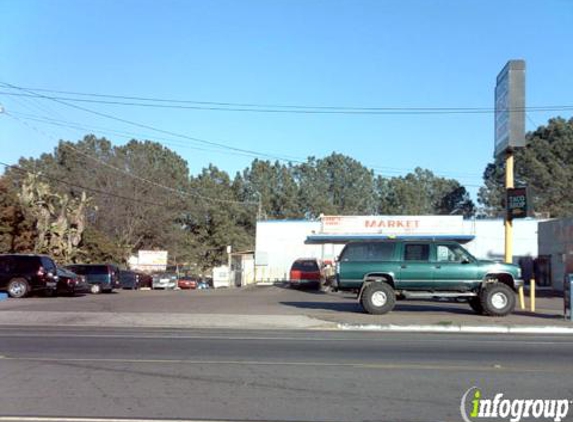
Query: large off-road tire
point(378, 298)
point(475, 304)
point(18, 288)
point(497, 299)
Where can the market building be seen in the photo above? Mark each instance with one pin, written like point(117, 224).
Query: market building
point(280, 242)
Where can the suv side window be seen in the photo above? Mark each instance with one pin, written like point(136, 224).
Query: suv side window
point(375, 251)
point(451, 253)
point(416, 252)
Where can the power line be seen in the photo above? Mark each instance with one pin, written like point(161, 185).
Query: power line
point(244, 151)
point(310, 110)
point(273, 107)
point(173, 190)
point(149, 127)
point(377, 170)
point(74, 185)
point(78, 127)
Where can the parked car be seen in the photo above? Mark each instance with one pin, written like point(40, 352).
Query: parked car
point(101, 278)
point(129, 279)
point(188, 283)
point(145, 280)
point(306, 272)
point(164, 281)
point(382, 271)
point(70, 283)
point(22, 274)
point(203, 285)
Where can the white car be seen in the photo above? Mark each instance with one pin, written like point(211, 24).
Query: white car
point(164, 281)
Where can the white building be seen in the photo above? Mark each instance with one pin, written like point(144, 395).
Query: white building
point(280, 242)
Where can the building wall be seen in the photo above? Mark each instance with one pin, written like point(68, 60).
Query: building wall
point(489, 242)
point(556, 241)
point(280, 242)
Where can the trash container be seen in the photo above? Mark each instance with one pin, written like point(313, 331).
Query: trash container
point(3, 296)
point(568, 296)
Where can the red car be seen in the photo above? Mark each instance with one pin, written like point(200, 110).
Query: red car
point(187, 283)
point(307, 272)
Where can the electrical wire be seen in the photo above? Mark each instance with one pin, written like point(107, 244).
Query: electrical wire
point(148, 127)
point(85, 188)
point(172, 190)
point(237, 106)
point(378, 170)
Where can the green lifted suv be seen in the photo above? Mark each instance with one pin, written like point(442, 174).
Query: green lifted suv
point(382, 271)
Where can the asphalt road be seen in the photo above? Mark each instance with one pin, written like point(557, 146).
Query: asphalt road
point(254, 376)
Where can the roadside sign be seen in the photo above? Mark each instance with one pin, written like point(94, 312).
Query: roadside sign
point(516, 203)
point(510, 107)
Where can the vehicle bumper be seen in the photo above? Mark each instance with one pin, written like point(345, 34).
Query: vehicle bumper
point(517, 284)
point(303, 283)
point(166, 286)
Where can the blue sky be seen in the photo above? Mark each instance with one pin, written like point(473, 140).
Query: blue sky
point(402, 53)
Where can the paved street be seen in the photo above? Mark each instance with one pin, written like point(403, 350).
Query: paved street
point(172, 308)
point(246, 375)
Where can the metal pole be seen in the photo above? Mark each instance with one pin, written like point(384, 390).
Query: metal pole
point(508, 223)
point(509, 181)
point(532, 294)
point(229, 263)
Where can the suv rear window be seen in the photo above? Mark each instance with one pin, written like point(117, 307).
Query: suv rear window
point(375, 251)
point(48, 264)
point(306, 265)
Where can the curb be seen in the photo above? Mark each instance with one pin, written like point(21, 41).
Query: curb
point(465, 329)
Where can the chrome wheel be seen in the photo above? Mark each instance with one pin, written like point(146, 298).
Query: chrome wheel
point(499, 300)
point(379, 299)
point(18, 288)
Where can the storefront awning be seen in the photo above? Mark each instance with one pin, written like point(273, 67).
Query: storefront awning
point(319, 239)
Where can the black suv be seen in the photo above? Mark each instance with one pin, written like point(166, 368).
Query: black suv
point(22, 274)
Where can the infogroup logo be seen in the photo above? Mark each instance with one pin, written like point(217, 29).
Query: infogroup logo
point(475, 406)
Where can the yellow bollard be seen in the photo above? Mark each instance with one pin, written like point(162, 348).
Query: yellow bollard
point(532, 294)
point(521, 297)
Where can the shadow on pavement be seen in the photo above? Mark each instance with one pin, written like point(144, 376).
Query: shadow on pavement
point(400, 307)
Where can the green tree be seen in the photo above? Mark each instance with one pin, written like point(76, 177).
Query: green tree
point(133, 210)
point(423, 193)
point(273, 185)
point(213, 224)
point(17, 233)
point(545, 166)
point(336, 184)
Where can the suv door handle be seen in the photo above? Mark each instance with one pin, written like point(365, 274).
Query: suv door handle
point(403, 266)
point(438, 266)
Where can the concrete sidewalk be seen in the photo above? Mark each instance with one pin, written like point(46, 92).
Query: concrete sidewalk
point(163, 320)
point(388, 323)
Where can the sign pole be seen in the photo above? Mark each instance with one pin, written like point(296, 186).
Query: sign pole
point(508, 223)
point(509, 181)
